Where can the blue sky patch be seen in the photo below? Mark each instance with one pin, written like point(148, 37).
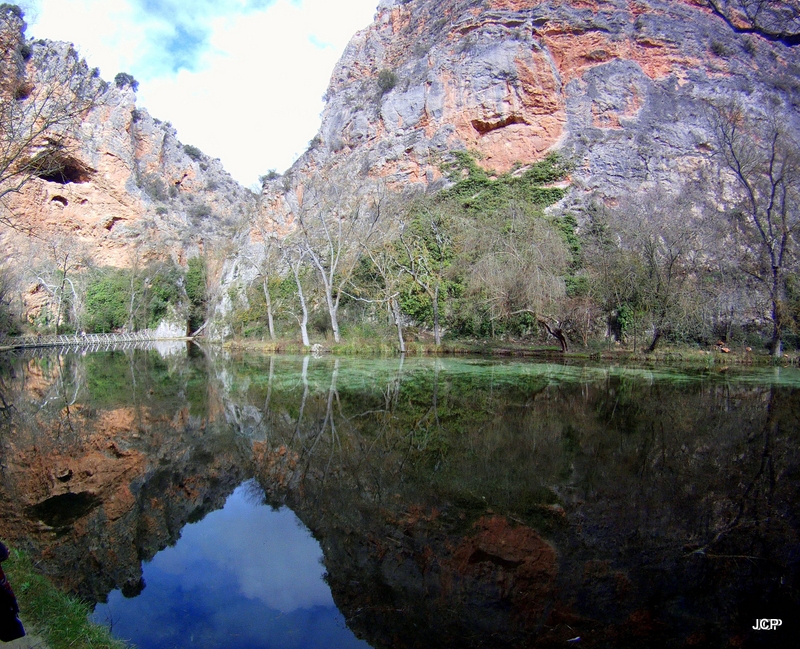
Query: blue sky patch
point(184, 48)
point(187, 29)
point(318, 42)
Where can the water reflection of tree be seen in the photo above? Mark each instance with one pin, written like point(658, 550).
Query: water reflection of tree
point(670, 485)
point(140, 441)
point(659, 496)
point(49, 388)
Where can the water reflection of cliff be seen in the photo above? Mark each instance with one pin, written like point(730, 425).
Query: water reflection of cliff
point(494, 508)
point(106, 457)
point(457, 503)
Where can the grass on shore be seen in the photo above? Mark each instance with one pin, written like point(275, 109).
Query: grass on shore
point(376, 346)
point(60, 619)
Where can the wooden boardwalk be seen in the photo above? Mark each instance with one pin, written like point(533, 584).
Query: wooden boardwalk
point(84, 342)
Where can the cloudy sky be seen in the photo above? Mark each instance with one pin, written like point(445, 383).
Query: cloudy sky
point(245, 576)
point(240, 79)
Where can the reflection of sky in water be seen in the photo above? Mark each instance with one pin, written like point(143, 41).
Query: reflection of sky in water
point(244, 577)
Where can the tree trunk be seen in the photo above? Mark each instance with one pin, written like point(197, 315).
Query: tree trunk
point(398, 323)
point(437, 336)
point(59, 308)
point(558, 334)
point(130, 324)
point(270, 321)
point(303, 306)
point(656, 338)
point(333, 311)
point(776, 346)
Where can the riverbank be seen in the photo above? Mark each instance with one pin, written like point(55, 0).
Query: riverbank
point(52, 619)
point(610, 353)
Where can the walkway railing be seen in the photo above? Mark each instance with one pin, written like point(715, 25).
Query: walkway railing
point(80, 340)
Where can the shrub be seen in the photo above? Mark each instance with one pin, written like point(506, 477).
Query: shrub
point(199, 211)
point(107, 302)
point(109, 298)
point(477, 192)
point(386, 81)
point(164, 291)
point(195, 284)
point(193, 152)
point(154, 186)
point(7, 8)
point(124, 79)
point(23, 91)
point(270, 175)
point(720, 49)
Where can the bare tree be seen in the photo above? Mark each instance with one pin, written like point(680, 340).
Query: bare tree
point(389, 273)
point(643, 258)
point(295, 253)
point(519, 268)
point(334, 235)
point(764, 160)
point(268, 262)
point(425, 252)
point(269, 273)
point(664, 238)
point(775, 20)
point(45, 94)
point(8, 282)
point(55, 274)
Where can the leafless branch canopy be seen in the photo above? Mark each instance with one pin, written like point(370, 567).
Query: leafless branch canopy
point(763, 158)
point(775, 20)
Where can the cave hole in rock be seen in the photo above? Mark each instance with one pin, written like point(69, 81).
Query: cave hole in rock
point(61, 169)
point(23, 91)
point(64, 509)
point(486, 126)
point(60, 200)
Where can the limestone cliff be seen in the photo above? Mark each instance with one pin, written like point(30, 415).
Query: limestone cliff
point(125, 188)
point(620, 87)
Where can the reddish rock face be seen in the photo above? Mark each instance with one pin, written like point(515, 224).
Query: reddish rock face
point(92, 490)
point(513, 559)
point(619, 87)
point(614, 85)
point(123, 190)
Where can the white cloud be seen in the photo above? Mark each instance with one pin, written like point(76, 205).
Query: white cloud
point(266, 555)
point(253, 93)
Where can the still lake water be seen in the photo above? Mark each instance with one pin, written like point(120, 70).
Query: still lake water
point(245, 576)
point(201, 499)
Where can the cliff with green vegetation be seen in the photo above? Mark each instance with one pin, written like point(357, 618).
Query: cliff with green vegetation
point(674, 126)
point(102, 206)
point(535, 170)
